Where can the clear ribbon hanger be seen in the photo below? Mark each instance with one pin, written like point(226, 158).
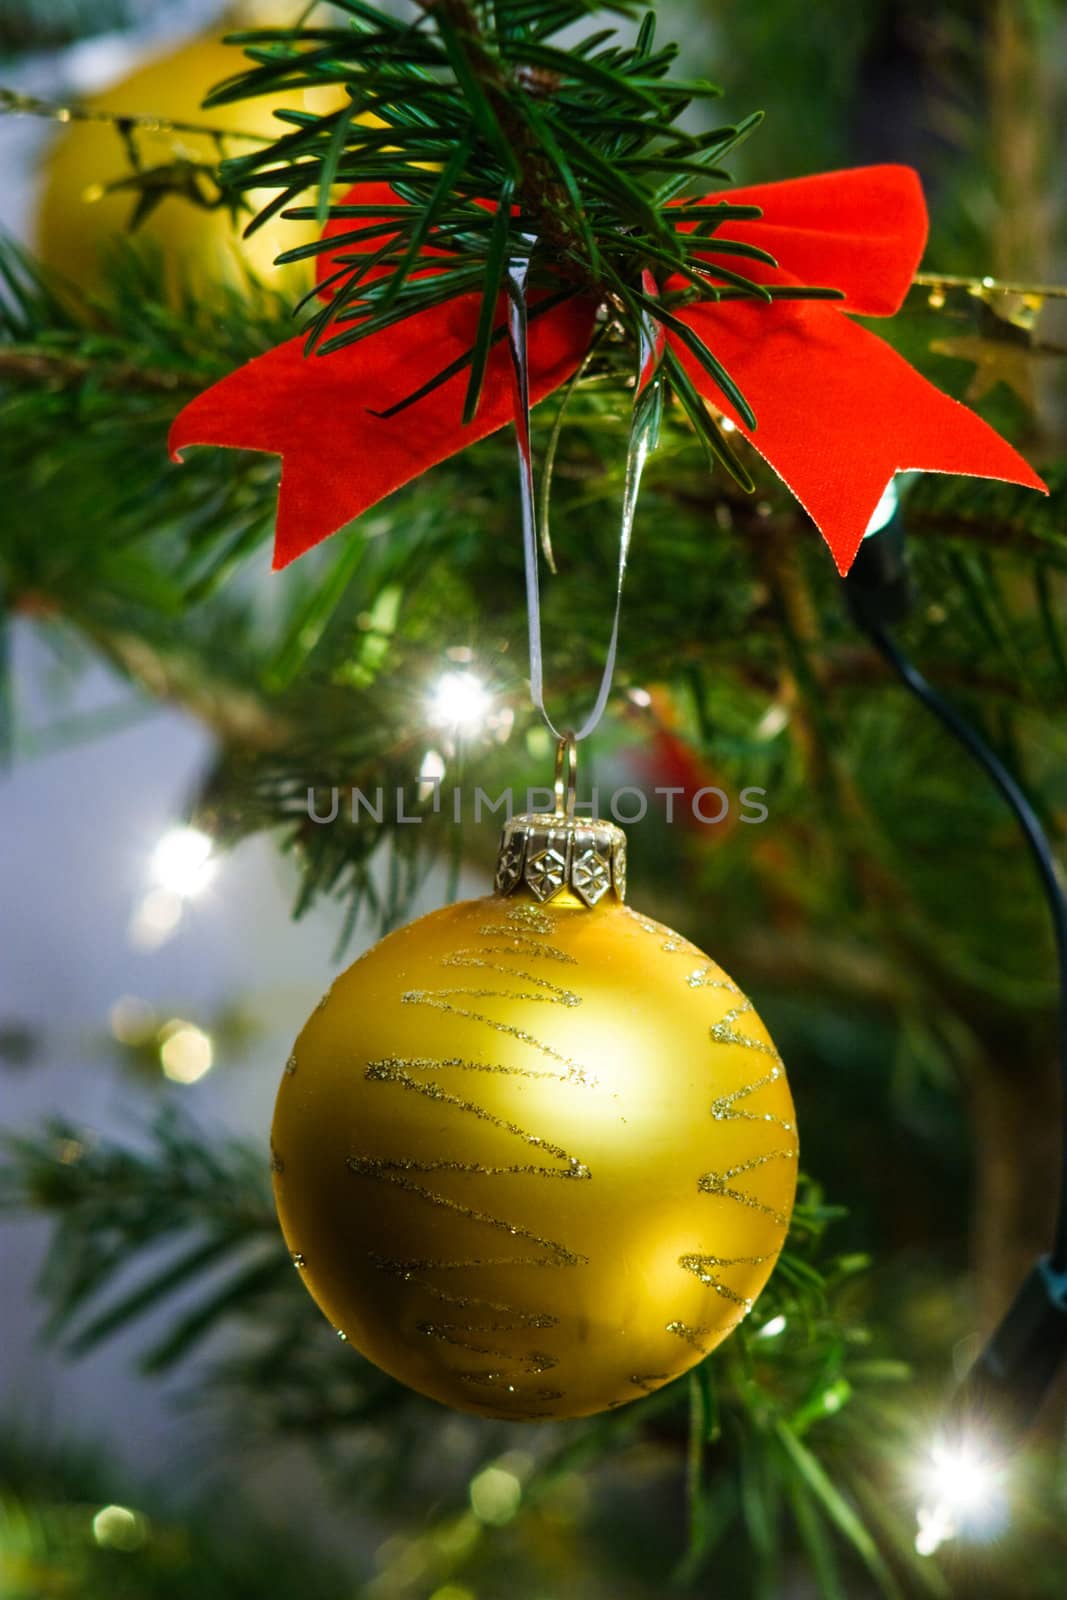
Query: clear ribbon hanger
point(644, 432)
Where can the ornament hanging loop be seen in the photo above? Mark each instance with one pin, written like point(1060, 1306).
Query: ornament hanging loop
point(644, 431)
point(566, 781)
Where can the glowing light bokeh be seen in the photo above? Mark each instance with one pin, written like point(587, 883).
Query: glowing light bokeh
point(185, 1053)
point(460, 701)
point(962, 1491)
point(183, 862)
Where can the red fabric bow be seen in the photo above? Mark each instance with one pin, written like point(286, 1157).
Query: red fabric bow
point(838, 411)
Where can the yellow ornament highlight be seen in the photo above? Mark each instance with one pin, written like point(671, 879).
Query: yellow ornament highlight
point(79, 218)
point(532, 1157)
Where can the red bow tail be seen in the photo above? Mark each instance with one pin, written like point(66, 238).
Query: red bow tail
point(838, 411)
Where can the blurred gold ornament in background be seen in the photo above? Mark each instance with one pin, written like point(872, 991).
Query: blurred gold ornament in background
point(80, 217)
point(535, 1155)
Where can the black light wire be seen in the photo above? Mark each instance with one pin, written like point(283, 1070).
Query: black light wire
point(1007, 1384)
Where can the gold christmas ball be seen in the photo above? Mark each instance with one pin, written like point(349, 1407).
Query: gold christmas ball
point(535, 1154)
point(79, 219)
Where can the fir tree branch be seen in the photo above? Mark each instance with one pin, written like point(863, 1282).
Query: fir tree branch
point(45, 367)
point(14, 102)
point(27, 25)
point(578, 147)
point(241, 718)
point(548, 202)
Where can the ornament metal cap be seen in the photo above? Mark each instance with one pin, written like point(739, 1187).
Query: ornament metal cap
point(548, 852)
